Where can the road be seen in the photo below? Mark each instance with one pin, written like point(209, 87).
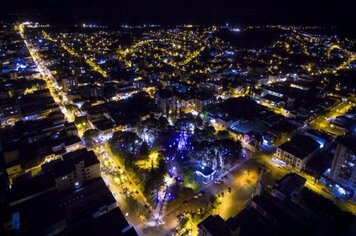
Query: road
point(129, 211)
point(135, 211)
point(321, 122)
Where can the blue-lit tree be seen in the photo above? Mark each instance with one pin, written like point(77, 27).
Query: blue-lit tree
point(149, 130)
point(185, 130)
point(126, 142)
point(216, 154)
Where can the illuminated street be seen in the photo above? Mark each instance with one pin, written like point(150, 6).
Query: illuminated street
point(178, 129)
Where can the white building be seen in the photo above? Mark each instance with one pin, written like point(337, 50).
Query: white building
point(298, 151)
point(343, 169)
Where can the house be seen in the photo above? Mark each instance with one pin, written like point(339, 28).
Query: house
point(297, 151)
point(26, 188)
point(37, 208)
point(74, 169)
point(343, 169)
point(202, 100)
point(167, 101)
point(288, 185)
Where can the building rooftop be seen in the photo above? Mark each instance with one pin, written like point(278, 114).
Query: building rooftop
point(24, 188)
point(165, 93)
point(250, 222)
point(70, 210)
point(110, 224)
point(77, 156)
point(300, 146)
point(290, 184)
point(214, 224)
point(348, 141)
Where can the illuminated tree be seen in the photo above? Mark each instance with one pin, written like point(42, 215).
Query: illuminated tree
point(90, 136)
point(223, 134)
point(199, 121)
point(227, 150)
point(81, 120)
point(163, 122)
point(144, 149)
point(216, 154)
point(148, 131)
point(126, 142)
point(185, 130)
point(155, 177)
point(71, 108)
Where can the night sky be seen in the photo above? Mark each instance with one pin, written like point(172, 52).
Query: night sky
point(340, 12)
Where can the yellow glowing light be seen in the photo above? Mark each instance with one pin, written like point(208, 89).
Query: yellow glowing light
point(117, 180)
point(168, 180)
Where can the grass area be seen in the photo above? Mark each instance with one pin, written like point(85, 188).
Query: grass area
point(192, 185)
point(184, 193)
point(189, 179)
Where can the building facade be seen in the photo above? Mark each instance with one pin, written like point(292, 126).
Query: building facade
point(343, 169)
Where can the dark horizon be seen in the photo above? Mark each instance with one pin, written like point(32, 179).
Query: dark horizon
point(315, 12)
